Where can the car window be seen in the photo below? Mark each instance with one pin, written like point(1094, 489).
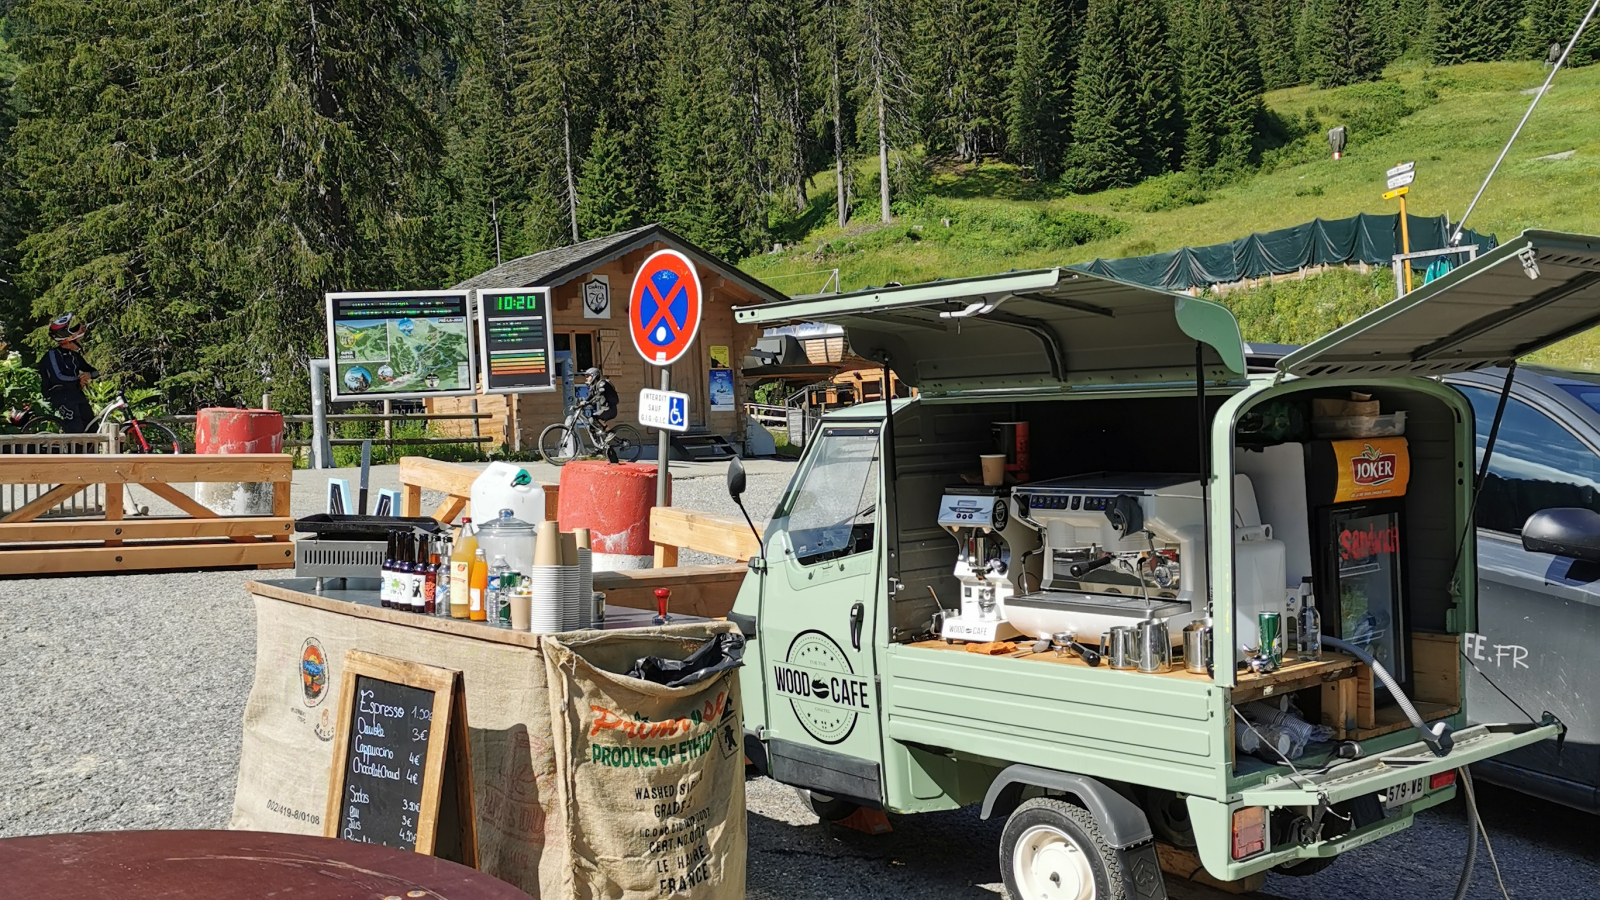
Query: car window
point(1537, 464)
point(830, 509)
point(1587, 394)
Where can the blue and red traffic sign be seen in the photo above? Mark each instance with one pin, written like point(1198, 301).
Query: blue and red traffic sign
point(664, 307)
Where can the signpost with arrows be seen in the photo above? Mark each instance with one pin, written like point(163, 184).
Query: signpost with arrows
point(1398, 182)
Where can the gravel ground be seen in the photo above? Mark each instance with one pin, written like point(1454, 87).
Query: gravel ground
point(128, 693)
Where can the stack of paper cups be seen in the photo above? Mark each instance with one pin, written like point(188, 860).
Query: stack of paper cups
point(571, 584)
point(547, 612)
point(585, 578)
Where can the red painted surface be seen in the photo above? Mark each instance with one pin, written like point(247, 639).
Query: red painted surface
point(220, 430)
point(613, 502)
point(238, 865)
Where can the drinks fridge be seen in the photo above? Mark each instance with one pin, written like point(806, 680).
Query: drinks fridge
point(1356, 492)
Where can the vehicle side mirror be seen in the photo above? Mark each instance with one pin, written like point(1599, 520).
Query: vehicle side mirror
point(1571, 532)
point(735, 479)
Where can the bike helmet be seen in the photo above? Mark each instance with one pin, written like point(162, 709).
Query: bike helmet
point(67, 327)
point(592, 373)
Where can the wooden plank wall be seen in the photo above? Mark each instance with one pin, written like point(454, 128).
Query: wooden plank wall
point(622, 363)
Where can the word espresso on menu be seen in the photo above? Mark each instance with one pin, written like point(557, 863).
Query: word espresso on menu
point(388, 750)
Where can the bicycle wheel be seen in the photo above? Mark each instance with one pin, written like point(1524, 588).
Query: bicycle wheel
point(557, 444)
point(156, 438)
point(627, 442)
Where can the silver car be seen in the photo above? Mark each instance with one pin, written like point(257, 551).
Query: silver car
point(1539, 612)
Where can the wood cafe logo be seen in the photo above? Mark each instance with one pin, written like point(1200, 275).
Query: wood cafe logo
point(822, 687)
point(1372, 468)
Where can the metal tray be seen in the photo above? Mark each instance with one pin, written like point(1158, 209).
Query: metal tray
point(356, 527)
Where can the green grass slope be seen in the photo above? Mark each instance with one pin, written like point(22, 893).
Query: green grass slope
point(1451, 121)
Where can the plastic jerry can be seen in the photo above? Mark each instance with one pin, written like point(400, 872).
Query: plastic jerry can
point(505, 485)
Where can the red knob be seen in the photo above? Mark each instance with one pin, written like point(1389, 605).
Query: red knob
point(662, 596)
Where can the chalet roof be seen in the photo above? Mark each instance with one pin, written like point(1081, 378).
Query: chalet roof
point(549, 268)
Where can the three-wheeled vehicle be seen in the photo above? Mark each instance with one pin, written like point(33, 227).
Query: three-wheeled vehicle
point(1170, 503)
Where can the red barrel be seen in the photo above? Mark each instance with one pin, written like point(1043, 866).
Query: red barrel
point(614, 503)
point(218, 430)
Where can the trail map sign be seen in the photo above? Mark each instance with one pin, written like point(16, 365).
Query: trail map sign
point(394, 344)
point(664, 307)
point(402, 768)
point(518, 347)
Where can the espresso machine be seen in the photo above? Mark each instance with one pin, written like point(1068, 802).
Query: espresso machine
point(1121, 549)
point(992, 556)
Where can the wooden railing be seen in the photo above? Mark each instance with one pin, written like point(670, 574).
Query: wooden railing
point(197, 538)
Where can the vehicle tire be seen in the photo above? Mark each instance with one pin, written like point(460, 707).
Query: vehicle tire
point(627, 443)
point(1052, 850)
point(1305, 866)
point(555, 444)
point(828, 809)
point(158, 436)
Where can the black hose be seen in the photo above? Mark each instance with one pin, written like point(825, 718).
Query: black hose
point(1438, 740)
point(1472, 837)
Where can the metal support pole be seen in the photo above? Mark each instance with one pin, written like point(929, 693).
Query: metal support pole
point(388, 423)
point(321, 449)
point(663, 439)
point(477, 424)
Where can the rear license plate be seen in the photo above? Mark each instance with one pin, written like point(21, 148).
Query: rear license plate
point(1400, 794)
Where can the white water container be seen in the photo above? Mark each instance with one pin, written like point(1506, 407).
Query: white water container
point(1258, 577)
point(506, 485)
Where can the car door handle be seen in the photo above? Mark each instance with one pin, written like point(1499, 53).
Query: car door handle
point(857, 613)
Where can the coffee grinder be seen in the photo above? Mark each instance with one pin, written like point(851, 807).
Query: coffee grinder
point(991, 545)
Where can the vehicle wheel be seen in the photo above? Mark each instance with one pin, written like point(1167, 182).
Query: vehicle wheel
point(556, 444)
point(626, 442)
point(158, 437)
point(1305, 866)
point(828, 809)
point(1052, 850)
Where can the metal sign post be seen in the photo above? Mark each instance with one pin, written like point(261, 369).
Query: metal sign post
point(1398, 181)
point(664, 316)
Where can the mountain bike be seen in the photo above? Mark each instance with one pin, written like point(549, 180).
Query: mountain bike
point(132, 434)
point(561, 442)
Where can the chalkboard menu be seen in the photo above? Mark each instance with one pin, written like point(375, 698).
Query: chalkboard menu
point(401, 772)
point(517, 345)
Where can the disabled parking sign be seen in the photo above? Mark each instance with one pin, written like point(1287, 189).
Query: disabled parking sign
point(664, 307)
point(667, 410)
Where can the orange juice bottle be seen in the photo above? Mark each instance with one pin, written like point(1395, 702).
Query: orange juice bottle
point(466, 545)
point(478, 586)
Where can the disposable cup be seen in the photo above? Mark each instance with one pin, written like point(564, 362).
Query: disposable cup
point(521, 611)
point(547, 545)
point(584, 538)
point(994, 468)
point(569, 548)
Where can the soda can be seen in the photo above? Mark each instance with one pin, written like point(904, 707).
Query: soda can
point(1270, 625)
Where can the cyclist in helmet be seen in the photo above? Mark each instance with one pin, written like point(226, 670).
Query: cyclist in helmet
point(602, 397)
point(66, 373)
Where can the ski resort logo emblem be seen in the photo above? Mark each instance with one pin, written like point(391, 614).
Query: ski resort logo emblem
point(597, 298)
point(822, 687)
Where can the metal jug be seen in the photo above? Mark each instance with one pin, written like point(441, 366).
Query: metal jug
point(1197, 638)
point(1118, 648)
point(1154, 646)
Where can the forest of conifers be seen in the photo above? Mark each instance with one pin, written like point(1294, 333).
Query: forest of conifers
point(192, 175)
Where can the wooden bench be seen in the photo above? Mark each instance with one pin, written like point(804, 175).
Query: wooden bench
point(199, 538)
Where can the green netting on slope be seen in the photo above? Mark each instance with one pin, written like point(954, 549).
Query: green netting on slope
point(1321, 242)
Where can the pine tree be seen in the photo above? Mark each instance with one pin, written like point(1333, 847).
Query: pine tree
point(835, 117)
point(1276, 49)
point(1343, 52)
point(1153, 75)
point(1472, 30)
point(1037, 90)
point(1552, 22)
point(883, 86)
point(207, 171)
point(1221, 88)
point(1105, 128)
point(606, 200)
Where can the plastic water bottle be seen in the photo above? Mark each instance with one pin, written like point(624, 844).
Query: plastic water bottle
point(1310, 649)
point(495, 599)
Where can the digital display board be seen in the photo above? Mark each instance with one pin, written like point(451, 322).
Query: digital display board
point(517, 345)
point(400, 344)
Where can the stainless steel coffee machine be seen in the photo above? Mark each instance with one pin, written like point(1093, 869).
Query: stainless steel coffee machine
point(991, 560)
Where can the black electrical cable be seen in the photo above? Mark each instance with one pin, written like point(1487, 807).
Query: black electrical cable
point(1509, 698)
point(1472, 841)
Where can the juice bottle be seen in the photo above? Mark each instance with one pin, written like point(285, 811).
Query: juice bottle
point(478, 586)
point(430, 575)
point(466, 546)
